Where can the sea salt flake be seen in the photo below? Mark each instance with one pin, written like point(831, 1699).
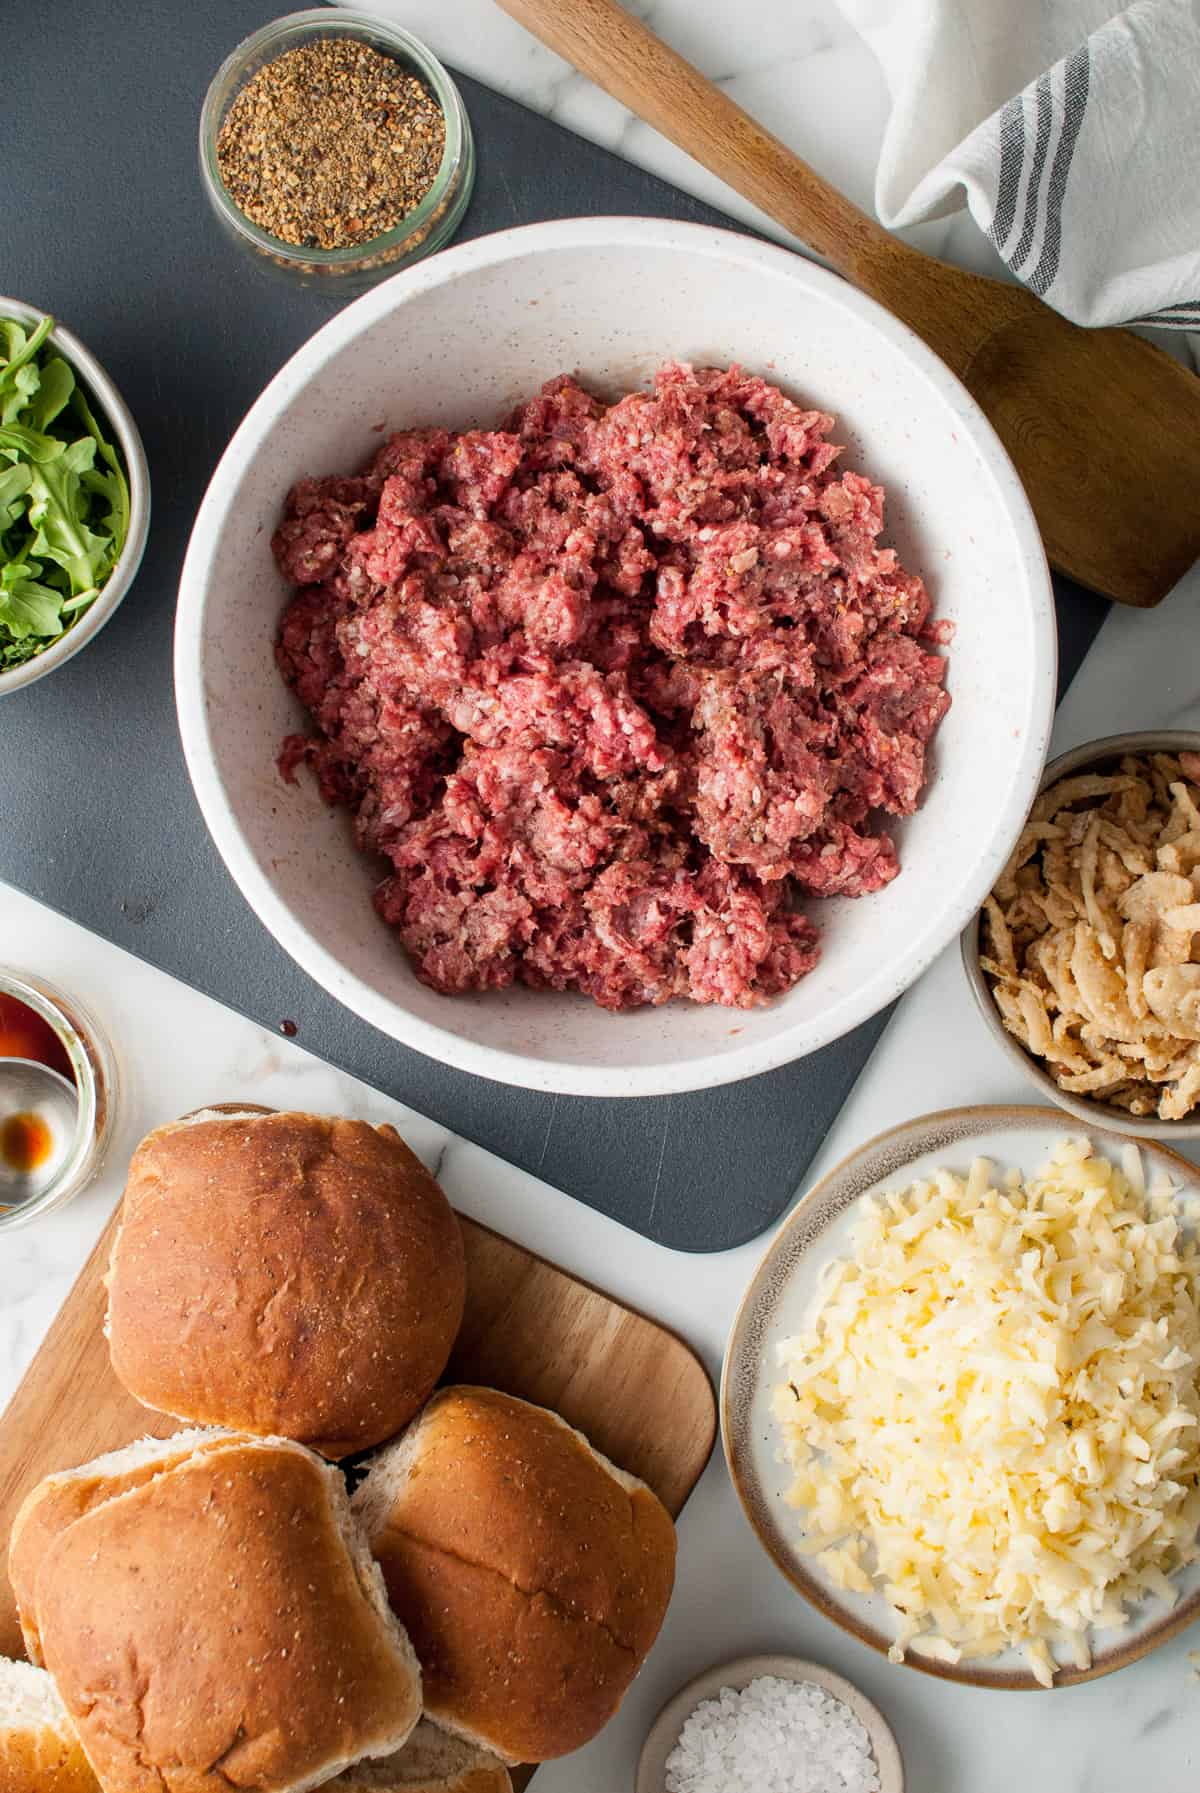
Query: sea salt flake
point(775, 1736)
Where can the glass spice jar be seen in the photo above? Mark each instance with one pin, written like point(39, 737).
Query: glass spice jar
point(77, 1048)
point(429, 226)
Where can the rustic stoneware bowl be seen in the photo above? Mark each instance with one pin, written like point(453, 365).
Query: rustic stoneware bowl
point(112, 410)
point(1093, 756)
point(458, 340)
point(664, 1733)
point(776, 1304)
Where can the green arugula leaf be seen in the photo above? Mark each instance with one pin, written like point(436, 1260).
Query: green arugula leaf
point(27, 607)
point(64, 496)
point(15, 653)
point(33, 444)
point(56, 507)
point(14, 483)
point(21, 347)
point(21, 389)
point(108, 454)
point(112, 489)
point(56, 383)
point(12, 338)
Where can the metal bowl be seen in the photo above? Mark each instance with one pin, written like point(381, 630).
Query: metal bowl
point(113, 409)
point(1091, 756)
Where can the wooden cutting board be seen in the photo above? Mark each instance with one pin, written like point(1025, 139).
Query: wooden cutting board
point(639, 1393)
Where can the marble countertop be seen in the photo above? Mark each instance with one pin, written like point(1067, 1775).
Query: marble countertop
point(796, 65)
point(799, 68)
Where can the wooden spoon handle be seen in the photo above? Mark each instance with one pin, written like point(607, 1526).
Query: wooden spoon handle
point(617, 52)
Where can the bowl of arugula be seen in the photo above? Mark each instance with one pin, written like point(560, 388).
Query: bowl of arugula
point(74, 496)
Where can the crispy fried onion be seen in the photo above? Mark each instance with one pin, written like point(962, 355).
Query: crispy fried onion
point(1091, 938)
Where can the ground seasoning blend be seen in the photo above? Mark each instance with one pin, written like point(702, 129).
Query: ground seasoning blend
point(331, 144)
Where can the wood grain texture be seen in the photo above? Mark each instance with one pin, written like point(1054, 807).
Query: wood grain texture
point(1103, 427)
point(637, 1391)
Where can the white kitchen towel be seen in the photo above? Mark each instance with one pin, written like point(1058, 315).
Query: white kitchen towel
point(1072, 130)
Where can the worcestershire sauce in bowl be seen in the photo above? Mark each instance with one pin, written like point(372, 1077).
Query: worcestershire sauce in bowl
point(37, 1115)
point(57, 1096)
point(24, 1034)
point(26, 1142)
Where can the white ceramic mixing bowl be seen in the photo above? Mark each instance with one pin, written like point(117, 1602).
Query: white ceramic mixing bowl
point(457, 341)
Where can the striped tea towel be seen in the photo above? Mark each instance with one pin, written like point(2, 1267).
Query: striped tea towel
point(1072, 127)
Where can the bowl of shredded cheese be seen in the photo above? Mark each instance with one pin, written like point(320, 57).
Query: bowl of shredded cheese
point(960, 1400)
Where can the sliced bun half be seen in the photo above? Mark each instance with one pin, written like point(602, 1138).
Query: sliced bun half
point(39, 1751)
point(284, 1274)
point(530, 1572)
point(222, 1624)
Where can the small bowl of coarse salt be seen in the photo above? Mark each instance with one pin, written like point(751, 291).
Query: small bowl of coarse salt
point(770, 1724)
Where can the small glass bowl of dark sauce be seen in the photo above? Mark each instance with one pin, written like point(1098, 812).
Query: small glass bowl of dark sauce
point(58, 1096)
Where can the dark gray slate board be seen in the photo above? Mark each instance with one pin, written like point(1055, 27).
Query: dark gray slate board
point(102, 221)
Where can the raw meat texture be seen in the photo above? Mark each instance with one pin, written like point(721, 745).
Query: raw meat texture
point(612, 688)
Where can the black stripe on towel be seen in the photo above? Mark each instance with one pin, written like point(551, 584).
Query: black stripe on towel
point(1012, 159)
point(1045, 116)
point(1075, 98)
point(1172, 317)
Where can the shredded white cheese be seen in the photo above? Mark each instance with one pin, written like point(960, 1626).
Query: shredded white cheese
point(994, 1411)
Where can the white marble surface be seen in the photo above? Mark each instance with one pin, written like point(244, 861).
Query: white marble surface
point(180, 1050)
point(797, 66)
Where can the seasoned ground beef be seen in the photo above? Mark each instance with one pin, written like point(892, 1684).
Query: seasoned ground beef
point(612, 688)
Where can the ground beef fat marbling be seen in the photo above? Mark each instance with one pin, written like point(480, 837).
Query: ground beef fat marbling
point(612, 688)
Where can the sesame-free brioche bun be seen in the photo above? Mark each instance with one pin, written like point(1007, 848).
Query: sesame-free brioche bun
point(284, 1274)
point(68, 1494)
point(432, 1761)
point(222, 1624)
point(39, 1751)
point(531, 1574)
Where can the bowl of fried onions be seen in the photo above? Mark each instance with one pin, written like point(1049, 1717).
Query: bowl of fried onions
point(1085, 959)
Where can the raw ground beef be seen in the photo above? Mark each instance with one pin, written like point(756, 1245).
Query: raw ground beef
point(612, 687)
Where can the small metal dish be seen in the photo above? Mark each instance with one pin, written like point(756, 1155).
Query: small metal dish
point(94, 1072)
point(429, 226)
point(664, 1733)
point(40, 1106)
point(113, 409)
point(1091, 756)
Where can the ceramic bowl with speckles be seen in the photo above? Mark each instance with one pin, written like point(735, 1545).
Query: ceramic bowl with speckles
point(737, 1676)
point(458, 341)
point(779, 1300)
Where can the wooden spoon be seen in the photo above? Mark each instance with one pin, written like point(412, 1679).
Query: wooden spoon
point(1103, 427)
